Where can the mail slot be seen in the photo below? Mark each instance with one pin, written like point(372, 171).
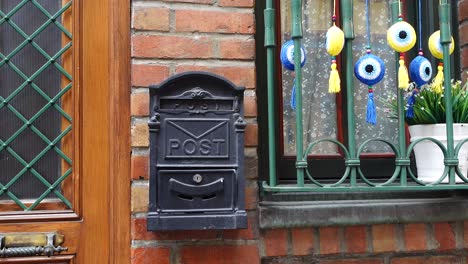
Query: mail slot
point(196, 153)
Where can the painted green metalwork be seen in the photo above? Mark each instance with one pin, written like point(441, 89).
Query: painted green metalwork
point(353, 178)
point(296, 33)
point(270, 44)
point(29, 81)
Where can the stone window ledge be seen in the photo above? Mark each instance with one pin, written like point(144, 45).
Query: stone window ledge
point(292, 210)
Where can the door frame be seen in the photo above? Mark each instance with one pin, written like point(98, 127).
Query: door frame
point(105, 66)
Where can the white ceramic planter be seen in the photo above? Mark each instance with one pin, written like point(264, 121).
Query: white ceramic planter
point(429, 157)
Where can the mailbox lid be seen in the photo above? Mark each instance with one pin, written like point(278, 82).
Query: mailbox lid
point(190, 191)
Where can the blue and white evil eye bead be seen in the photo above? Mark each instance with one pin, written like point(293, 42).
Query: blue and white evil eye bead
point(401, 36)
point(420, 70)
point(436, 48)
point(369, 69)
point(287, 55)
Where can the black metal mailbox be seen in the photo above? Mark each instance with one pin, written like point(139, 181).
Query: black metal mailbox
point(196, 154)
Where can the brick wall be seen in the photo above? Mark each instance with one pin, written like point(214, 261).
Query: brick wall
point(173, 36)
point(441, 243)
point(169, 37)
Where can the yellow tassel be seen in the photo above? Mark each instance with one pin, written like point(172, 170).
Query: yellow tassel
point(403, 79)
point(334, 81)
point(436, 84)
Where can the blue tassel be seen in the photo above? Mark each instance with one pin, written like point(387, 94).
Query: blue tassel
point(371, 117)
point(293, 97)
point(411, 100)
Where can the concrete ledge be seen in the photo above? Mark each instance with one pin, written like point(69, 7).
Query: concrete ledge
point(286, 214)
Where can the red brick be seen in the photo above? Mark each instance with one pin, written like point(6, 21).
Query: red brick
point(160, 255)
point(236, 3)
point(146, 74)
point(302, 241)
point(415, 237)
point(462, 10)
point(464, 58)
point(428, 260)
point(139, 232)
point(251, 198)
point(237, 49)
point(172, 47)
point(250, 106)
point(329, 242)
point(383, 238)
point(240, 76)
point(251, 135)
point(352, 261)
point(444, 235)
point(220, 254)
point(151, 18)
point(250, 233)
point(463, 31)
point(356, 239)
point(139, 167)
point(139, 104)
point(275, 242)
point(218, 22)
point(465, 233)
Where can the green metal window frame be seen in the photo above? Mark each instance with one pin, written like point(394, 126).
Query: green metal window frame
point(352, 180)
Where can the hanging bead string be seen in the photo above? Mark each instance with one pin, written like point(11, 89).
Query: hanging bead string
point(416, 90)
point(333, 58)
point(370, 113)
point(369, 49)
point(368, 25)
point(400, 18)
point(420, 26)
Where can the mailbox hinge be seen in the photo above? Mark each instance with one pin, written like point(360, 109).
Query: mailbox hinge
point(30, 244)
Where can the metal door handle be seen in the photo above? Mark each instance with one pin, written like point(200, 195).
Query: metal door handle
point(30, 244)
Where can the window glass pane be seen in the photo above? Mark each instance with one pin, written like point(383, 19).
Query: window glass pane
point(380, 21)
point(319, 106)
point(33, 122)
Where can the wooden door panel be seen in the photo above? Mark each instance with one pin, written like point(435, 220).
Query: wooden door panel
point(98, 145)
point(40, 260)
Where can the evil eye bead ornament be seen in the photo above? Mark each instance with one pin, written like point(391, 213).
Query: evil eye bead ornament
point(436, 48)
point(420, 70)
point(287, 55)
point(401, 36)
point(369, 69)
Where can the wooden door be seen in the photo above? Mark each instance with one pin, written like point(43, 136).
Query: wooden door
point(64, 131)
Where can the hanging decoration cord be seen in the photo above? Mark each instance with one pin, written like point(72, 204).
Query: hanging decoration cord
point(420, 26)
point(368, 25)
point(371, 114)
point(412, 97)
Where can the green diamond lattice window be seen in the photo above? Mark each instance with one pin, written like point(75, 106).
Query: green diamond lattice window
point(33, 84)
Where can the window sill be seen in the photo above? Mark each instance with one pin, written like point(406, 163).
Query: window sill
point(285, 210)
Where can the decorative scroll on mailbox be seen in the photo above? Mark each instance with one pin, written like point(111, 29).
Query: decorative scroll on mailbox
point(197, 154)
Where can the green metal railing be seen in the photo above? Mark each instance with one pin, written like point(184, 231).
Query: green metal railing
point(353, 178)
point(29, 82)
